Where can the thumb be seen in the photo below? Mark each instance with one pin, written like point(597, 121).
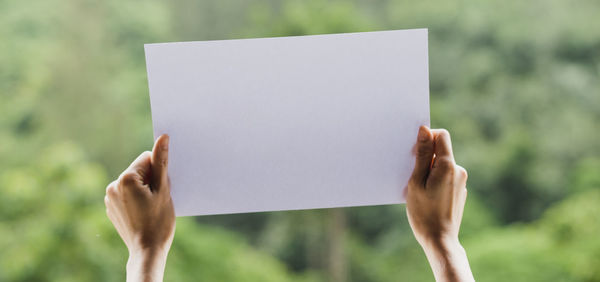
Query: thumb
point(159, 162)
point(443, 164)
point(424, 155)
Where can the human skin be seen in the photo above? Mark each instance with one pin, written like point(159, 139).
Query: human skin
point(140, 207)
point(435, 200)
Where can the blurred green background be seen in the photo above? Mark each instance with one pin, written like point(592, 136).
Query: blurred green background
point(515, 82)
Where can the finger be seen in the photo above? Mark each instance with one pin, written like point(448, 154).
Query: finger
point(141, 164)
point(160, 160)
point(424, 155)
point(442, 144)
point(111, 190)
point(443, 163)
point(137, 171)
point(461, 175)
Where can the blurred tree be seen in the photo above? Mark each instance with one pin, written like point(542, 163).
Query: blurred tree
point(562, 246)
point(54, 228)
point(515, 82)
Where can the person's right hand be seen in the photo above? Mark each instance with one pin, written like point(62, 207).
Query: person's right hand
point(140, 207)
point(435, 199)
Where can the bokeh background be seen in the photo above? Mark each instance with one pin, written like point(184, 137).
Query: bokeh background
point(517, 83)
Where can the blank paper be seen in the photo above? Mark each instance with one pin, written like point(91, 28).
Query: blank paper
point(290, 122)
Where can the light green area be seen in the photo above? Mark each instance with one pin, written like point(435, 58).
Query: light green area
point(517, 83)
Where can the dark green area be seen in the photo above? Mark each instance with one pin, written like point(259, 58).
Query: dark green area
point(517, 83)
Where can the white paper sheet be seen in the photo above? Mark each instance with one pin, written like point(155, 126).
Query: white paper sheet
point(291, 122)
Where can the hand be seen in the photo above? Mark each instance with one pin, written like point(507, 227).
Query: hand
point(435, 199)
point(140, 207)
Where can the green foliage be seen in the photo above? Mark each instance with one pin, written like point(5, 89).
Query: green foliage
point(53, 225)
point(307, 17)
point(54, 228)
point(516, 83)
point(561, 246)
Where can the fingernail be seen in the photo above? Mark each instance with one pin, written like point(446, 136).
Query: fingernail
point(165, 144)
point(422, 136)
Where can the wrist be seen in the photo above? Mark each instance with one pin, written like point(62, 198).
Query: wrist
point(448, 259)
point(442, 245)
point(146, 264)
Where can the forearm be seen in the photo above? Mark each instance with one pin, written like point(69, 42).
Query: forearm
point(146, 265)
point(448, 260)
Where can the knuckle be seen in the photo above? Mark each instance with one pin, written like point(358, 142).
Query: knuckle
point(444, 133)
point(445, 163)
point(462, 172)
point(146, 155)
point(441, 134)
point(106, 201)
point(129, 178)
point(111, 191)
